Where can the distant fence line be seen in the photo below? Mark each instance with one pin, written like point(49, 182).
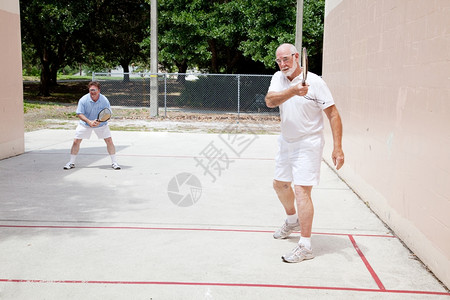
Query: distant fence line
point(212, 93)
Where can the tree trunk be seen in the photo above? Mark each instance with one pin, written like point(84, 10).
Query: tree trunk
point(126, 71)
point(212, 48)
point(53, 75)
point(44, 88)
point(232, 61)
point(182, 68)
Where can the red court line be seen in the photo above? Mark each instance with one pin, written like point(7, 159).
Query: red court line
point(381, 289)
point(221, 284)
point(366, 262)
point(175, 229)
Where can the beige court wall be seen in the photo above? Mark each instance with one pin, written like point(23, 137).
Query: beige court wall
point(387, 64)
point(11, 96)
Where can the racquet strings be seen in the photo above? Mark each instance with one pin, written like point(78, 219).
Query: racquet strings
point(104, 115)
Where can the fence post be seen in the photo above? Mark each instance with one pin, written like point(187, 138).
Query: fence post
point(154, 58)
point(153, 95)
point(239, 96)
point(165, 95)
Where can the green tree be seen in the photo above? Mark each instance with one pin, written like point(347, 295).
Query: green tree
point(180, 35)
point(119, 27)
point(224, 30)
point(313, 16)
point(271, 23)
point(220, 36)
point(235, 36)
point(203, 34)
point(93, 32)
point(54, 30)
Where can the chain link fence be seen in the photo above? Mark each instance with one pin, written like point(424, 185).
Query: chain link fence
point(205, 93)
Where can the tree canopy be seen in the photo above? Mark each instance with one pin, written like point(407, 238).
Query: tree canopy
point(235, 36)
point(119, 28)
point(54, 31)
point(217, 36)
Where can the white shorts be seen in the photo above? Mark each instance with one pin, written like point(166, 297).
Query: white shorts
point(299, 162)
point(84, 132)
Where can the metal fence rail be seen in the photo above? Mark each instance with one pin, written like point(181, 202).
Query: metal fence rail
point(212, 93)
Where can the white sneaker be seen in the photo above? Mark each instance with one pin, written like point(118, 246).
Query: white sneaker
point(69, 166)
point(298, 254)
point(115, 166)
point(286, 230)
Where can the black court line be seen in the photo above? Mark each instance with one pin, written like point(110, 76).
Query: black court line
point(381, 288)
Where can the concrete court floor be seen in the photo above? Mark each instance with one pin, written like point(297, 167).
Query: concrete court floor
point(189, 216)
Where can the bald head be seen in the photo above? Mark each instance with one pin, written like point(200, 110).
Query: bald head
point(287, 60)
point(286, 48)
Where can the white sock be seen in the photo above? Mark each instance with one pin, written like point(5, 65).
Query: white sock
point(306, 242)
point(291, 219)
point(113, 158)
point(72, 158)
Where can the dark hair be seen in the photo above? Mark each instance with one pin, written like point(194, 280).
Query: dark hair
point(94, 83)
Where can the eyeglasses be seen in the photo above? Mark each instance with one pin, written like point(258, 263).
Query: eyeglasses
point(93, 90)
point(284, 59)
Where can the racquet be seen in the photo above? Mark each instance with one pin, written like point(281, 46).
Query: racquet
point(304, 66)
point(305, 75)
point(104, 115)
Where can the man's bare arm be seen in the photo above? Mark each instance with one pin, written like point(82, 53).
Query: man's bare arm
point(92, 123)
point(274, 99)
point(336, 129)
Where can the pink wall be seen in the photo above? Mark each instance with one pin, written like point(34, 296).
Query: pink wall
point(11, 96)
point(387, 64)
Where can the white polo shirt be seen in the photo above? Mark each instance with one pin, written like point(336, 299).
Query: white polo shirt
point(300, 116)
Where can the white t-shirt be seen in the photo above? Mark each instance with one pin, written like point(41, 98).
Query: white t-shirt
point(301, 116)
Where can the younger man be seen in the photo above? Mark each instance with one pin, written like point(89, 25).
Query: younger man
point(88, 108)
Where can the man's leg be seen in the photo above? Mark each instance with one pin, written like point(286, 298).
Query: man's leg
point(305, 208)
point(287, 198)
point(285, 195)
point(73, 154)
point(75, 146)
point(110, 146)
point(112, 153)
